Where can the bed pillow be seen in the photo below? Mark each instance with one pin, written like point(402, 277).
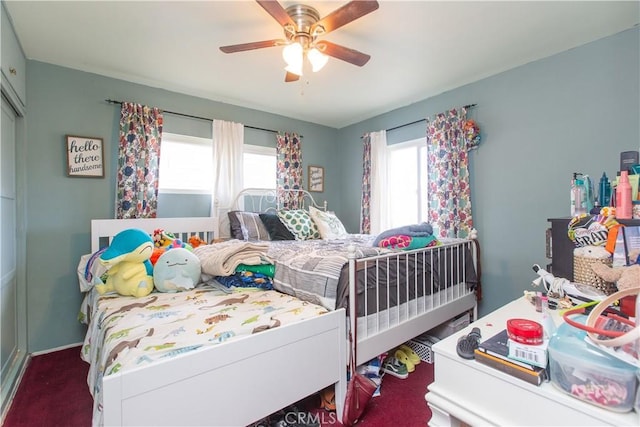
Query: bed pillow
point(329, 225)
point(247, 226)
point(276, 229)
point(299, 223)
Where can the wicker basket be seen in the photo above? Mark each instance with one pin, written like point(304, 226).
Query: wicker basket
point(582, 273)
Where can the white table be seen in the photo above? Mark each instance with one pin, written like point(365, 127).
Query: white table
point(468, 392)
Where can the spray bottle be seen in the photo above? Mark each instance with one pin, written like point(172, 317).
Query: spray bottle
point(577, 207)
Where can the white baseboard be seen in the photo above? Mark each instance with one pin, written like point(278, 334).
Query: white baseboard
point(51, 350)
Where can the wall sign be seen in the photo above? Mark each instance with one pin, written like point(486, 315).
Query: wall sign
point(316, 179)
point(85, 156)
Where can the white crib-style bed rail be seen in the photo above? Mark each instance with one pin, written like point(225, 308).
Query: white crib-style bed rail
point(103, 230)
point(427, 307)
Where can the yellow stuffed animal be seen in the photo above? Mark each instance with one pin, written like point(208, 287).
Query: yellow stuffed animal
point(127, 259)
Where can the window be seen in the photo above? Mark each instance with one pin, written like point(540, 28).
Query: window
point(186, 165)
point(407, 182)
point(259, 167)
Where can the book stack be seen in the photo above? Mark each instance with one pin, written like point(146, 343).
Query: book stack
point(494, 352)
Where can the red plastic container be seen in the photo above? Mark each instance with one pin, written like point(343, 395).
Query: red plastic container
point(525, 331)
point(628, 305)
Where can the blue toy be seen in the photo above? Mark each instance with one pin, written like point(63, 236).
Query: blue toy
point(176, 270)
point(129, 271)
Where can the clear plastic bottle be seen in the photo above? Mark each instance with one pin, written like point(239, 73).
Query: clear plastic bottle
point(587, 194)
point(624, 208)
point(577, 199)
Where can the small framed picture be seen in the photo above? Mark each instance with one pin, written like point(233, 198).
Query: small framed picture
point(316, 179)
point(85, 156)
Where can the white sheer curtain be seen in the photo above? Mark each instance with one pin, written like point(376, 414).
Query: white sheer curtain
point(379, 207)
point(228, 140)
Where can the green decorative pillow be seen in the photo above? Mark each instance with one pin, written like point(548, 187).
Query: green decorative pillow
point(299, 224)
point(329, 225)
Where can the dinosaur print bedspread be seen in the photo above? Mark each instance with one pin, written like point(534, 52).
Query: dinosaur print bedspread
point(127, 332)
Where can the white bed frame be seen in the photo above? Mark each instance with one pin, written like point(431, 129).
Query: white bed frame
point(266, 371)
point(381, 331)
point(378, 332)
point(274, 368)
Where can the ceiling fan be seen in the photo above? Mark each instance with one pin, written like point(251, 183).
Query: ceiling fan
point(302, 28)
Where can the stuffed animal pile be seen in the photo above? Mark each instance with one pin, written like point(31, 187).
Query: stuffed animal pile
point(137, 263)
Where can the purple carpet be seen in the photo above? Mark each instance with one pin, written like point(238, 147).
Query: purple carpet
point(54, 392)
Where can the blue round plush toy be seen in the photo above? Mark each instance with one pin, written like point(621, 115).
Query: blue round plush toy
point(176, 270)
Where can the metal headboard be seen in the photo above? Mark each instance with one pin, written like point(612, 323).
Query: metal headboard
point(265, 200)
point(260, 200)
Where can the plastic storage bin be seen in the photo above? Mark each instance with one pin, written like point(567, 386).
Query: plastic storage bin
point(586, 373)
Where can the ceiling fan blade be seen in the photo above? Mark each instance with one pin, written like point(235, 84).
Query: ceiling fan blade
point(251, 46)
point(351, 56)
point(290, 77)
point(345, 14)
point(278, 12)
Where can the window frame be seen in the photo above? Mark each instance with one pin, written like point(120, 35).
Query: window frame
point(184, 139)
point(422, 187)
point(261, 150)
point(195, 140)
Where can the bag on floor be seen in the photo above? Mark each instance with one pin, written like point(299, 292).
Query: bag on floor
point(359, 392)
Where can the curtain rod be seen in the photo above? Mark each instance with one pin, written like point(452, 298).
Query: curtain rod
point(111, 101)
point(423, 120)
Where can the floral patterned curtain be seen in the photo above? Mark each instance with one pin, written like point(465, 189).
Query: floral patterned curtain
point(448, 145)
point(365, 212)
point(374, 214)
point(289, 173)
point(138, 161)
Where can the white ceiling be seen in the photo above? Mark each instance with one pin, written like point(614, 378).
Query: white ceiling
point(418, 48)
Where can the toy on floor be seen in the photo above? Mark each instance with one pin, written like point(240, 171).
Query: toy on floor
point(129, 271)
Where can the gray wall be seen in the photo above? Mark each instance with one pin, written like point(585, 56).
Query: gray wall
point(572, 112)
point(540, 122)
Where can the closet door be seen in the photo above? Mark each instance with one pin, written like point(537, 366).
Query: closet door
point(10, 314)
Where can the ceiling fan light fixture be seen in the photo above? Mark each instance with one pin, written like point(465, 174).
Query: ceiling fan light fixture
point(317, 59)
point(292, 54)
point(294, 69)
point(302, 25)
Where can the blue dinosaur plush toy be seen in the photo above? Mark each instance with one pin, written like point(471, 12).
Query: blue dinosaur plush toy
point(178, 269)
point(129, 271)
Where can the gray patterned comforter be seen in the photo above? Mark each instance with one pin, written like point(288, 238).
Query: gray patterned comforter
point(310, 269)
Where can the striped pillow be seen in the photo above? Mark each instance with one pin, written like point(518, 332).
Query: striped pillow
point(247, 226)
